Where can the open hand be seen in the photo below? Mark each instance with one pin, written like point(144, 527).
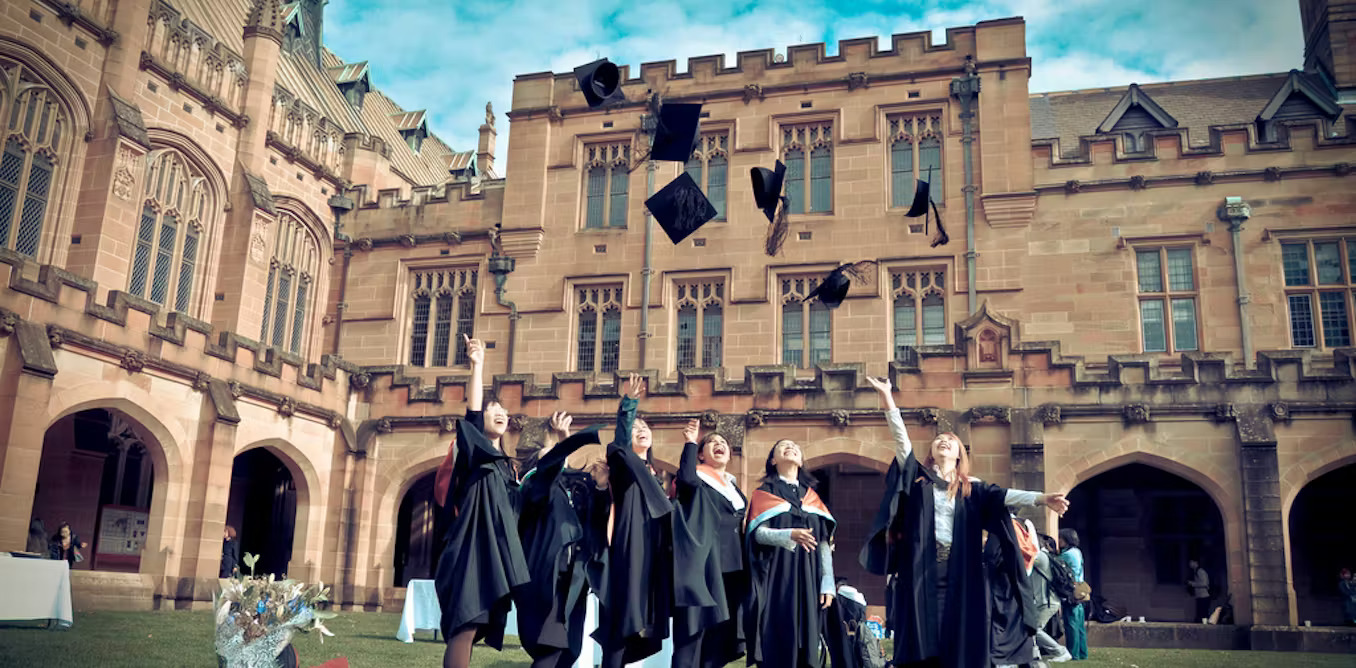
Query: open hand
point(1056, 502)
point(560, 424)
point(635, 387)
point(691, 431)
point(825, 600)
point(881, 385)
point(475, 350)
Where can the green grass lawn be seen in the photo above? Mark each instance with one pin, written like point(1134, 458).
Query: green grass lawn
point(175, 639)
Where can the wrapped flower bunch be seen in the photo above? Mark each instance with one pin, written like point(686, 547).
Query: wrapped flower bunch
point(256, 617)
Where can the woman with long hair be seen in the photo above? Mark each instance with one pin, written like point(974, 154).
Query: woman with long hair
point(552, 524)
point(928, 533)
point(66, 545)
point(790, 562)
point(636, 596)
point(1075, 624)
point(709, 553)
point(482, 559)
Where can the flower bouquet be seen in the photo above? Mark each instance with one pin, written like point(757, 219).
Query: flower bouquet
point(257, 616)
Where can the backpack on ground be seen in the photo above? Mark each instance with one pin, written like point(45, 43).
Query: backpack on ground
point(1062, 582)
point(866, 645)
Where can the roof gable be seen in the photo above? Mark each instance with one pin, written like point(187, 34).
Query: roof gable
point(1296, 97)
point(407, 121)
point(350, 73)
point(1136, 110)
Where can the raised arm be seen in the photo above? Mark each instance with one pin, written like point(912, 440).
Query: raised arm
point(626, 413)
point(475, 390)
point(1024, 499)
point(687, 463)
point(903, 447)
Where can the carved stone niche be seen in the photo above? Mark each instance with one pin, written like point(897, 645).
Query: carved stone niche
point(987, 337)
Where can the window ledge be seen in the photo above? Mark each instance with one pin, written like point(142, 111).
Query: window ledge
point(1123, 243)
point(1269, 233)
point(601, 230)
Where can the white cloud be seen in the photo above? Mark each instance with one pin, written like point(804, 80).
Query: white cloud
point(450, 57)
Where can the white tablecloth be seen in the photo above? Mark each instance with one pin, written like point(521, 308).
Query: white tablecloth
point(35, 589)
point(422, 613)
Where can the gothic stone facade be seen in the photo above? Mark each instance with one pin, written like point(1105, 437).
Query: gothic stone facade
point(1099, 328)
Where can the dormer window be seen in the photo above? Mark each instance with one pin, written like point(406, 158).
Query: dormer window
point(353, 82)
point(413, 127)
point(1134, 117)
point(1302, 97)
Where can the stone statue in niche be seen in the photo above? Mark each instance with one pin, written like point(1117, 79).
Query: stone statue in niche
point(988, 347)
point(489, 114)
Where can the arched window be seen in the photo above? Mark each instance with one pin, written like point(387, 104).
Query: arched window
point(36, 128)
point(170, 232)
point(290, 293)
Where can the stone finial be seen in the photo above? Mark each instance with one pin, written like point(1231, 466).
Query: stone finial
point(710, 419)
point(755, 418)
point(489, 114)
point(1048, 414)
point(1136, 413)
point(840, 418)
point(265, 20)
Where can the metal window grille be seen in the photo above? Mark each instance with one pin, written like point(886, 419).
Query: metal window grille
point(1151, 322)
point(35, 206)
point(284, 293)
point(419, 330)
point(268, 303)
point(141, 258)
point(1295, 261)
point(188, 259)
point(687, 337)
point(906, 335)
point(715, 187)
point(1302, 321)
point(466, 317)
point(616, 213)
point(713, 317)
point(442, 329)
point(821, 333)
point(11, 164)
point(587, 340)
point(934, 320)
point(611, 349)
point(795, 181)
point(597, 193)
point(821, 180)
point(299, 314)
point(164, 257)
point(1332, 308)
point(930, 155)
point(901, 173)
point(1184, 324)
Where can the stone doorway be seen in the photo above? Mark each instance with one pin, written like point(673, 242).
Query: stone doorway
point(263, 509)
point(1322, 543)
point(419, 533)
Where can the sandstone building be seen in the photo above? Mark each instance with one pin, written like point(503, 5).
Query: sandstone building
point(238, 273)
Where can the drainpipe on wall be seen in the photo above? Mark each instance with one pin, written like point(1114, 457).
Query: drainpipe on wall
point(966, 89)
point(500, 266)
point(1236, 212)
point(649, 123)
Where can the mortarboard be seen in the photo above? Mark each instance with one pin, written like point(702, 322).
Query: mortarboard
point(600, 81)
point(676, 135)
point(834, 288)
point(680, 208)
point(767, 195)
point(922, 198)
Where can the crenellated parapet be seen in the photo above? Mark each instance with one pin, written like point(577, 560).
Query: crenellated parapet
point(195, 62)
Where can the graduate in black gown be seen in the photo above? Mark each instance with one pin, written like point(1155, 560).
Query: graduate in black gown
point(636, 597)
point(928, 533)
point(482, 559)
point(553, 522)
point(789, 536)
point(709, 544)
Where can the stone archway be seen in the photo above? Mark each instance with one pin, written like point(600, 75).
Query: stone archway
point(269, 505)
point(418, 534)
point(851, 486)
point(1321, 544)
point(1139, 524)
point(103, 472)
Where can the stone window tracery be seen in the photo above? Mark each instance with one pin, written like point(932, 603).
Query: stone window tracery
point(915, 146)
point(36, 133)
point(443, 306)
point(598, 334)
point(919, 308)
point(171, 232)
point(708, 167)
point(606, 180)
point(700, 316)
point(290, 291)
point(807, 326)
point(808, 190)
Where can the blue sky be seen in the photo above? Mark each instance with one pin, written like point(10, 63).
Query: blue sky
point(451, 56)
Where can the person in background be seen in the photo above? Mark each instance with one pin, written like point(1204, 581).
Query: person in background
point(1047, 603)
point(37, 537)
point(230, 553)
point(1075, 628)
point(1199, 584)
point(66, 545)
point(1347, 586)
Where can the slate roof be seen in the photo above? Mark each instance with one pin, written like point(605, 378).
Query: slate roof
point(1197, 105)
point(225, 20)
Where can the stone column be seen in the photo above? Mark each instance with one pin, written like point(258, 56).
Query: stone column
point(1264, 541)
point(1027, 434)
point(25, 388)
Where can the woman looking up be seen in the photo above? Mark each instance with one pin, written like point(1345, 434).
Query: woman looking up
point(482, 559)
point(928, 534)
point(790, 563)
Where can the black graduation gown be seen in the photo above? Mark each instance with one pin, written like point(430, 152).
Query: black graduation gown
point(845, 614)
point(1010, 640)
point(903, 541)
point(636, 597)
point(482, 560)
point(785, 619)
point(708, 546)
point(551, 607)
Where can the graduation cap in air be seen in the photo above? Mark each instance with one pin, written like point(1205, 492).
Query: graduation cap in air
point(600, 82)
point(676, 136)
point(922, 198)
point(680, 208)
point(767, 195)
point(834, 288)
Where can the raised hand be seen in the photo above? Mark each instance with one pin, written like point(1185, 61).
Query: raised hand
point(475, 350)
point(691, 431)
point(1056, 502)
point(881, 385)
point(559, 425)
point(635, 387)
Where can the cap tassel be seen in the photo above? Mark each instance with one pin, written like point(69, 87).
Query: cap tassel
point(688, 205)
point(941, 237)
point(776, 232)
